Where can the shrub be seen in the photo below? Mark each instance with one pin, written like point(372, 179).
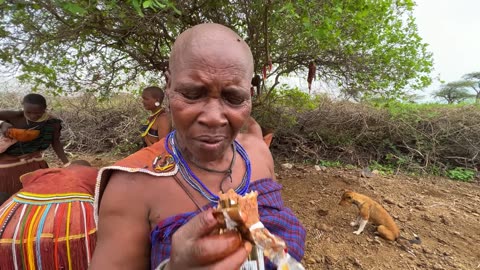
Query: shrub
point(461, 174)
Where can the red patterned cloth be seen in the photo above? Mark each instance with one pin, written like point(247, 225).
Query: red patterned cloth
point(49, 224)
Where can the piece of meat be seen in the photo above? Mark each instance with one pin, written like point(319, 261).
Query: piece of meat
point(236, 212)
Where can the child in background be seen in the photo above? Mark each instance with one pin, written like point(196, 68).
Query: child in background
point(158, 123)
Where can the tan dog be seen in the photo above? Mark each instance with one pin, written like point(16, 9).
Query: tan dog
point(371, 211)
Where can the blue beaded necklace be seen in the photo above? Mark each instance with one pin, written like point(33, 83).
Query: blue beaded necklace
point(194, 181)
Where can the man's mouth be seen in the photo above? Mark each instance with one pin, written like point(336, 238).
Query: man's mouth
point(211, 139)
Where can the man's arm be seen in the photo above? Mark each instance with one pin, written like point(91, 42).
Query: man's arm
point(57, 144)
point(123, 229)
point(9, 115)
point(163, 126)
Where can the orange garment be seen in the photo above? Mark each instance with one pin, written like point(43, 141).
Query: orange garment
point(23, 135)
point(153, 160)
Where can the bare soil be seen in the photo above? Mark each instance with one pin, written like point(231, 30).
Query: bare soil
point(443, 213)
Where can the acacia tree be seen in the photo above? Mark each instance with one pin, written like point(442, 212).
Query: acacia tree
point(454, 92)
point(366, 47)
point(473, 82)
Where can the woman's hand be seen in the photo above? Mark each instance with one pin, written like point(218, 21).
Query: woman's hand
point(195, 247)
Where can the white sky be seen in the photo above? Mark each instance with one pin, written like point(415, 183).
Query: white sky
point(452, 30)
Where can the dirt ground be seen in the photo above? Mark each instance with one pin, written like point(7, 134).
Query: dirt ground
point(443, 213)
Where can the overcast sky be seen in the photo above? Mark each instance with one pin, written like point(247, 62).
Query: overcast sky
point(452, 30)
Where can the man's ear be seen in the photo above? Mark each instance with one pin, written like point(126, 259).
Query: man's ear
point(268, 139)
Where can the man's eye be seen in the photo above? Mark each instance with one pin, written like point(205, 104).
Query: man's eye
point(192, 96)
point(234, 99)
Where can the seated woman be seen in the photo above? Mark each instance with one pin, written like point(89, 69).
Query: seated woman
point(158, 124)
point(34, 131)
point(49, 223)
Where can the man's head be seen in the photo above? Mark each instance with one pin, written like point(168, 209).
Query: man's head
point(208, 86)
point(152, 98)
point(81, 162)
point(34, 106)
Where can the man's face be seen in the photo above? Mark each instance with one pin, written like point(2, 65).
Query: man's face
point(209, 100)
point(33, 111)
point(148, 101)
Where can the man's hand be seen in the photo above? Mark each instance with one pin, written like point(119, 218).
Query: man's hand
point(4, 126)
point(195, 247)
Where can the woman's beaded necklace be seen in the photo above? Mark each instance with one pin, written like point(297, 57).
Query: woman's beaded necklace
point(195, 182)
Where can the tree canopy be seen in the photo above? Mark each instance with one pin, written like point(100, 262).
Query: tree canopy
point(472, 80)
point(364, 47)
point(454, 92)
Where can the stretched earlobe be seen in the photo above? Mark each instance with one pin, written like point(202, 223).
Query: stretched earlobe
point(167, 78)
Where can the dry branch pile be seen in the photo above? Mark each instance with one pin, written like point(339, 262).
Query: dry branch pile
point(97, 127)
point(420, 138)
point(410, 137)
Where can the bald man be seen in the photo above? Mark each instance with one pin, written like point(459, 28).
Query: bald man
point(155, 206)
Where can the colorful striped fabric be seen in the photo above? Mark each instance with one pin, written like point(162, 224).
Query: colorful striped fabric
point(47, 231)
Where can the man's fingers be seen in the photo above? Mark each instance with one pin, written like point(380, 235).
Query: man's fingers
point(202, 224)
point(216, 247)
point(235, 260)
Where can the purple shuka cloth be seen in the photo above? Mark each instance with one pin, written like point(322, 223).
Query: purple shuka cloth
point(277, 218)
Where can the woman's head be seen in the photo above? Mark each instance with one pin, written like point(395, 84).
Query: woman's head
point(208, 88)
point(152, 98)
point(34, 106)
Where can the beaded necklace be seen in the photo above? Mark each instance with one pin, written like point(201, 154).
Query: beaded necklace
point(151, 119)
point(194, 181)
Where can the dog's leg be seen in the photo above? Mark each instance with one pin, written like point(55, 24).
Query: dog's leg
point(356, 222)
point(363, 222)
point(385, 233)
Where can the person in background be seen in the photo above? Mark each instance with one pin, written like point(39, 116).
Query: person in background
point(32, 130)
point(253, 128)
point(158, 123)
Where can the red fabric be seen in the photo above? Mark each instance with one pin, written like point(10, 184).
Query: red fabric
point(10, 177)
point(74, 178)
point(50, 222)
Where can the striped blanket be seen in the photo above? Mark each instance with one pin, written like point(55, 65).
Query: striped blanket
point(56, 230)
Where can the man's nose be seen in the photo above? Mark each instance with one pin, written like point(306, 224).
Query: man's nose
point(213, 113)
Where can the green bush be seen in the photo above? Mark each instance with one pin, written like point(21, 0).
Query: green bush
point(328, 163)
point(383, 169)
point(461, 174)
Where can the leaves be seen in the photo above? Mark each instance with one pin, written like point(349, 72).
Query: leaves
point(369, 48)
point(74, 8)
